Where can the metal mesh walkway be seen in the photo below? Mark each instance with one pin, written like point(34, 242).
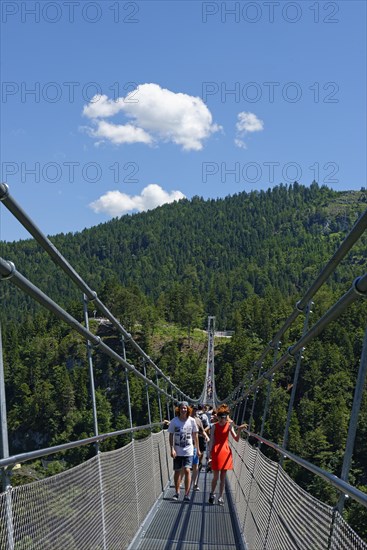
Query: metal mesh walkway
point(190, 525)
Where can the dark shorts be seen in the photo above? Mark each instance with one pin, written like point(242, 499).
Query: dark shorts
point(182, 462)
point(202, 444)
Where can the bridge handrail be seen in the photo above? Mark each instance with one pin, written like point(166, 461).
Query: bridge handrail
point(354, 234)
point(341, 485)
point(17, 211)
point(31, 455)
point(357, 290)
point(9, 271)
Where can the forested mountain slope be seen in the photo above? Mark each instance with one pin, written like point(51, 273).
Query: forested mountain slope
point(195, 257)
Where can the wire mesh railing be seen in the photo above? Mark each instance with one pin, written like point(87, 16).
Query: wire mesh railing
point(274, 512)
point(98, 504)
point(103, 502)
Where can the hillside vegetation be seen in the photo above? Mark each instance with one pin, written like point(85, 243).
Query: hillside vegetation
point(196, 257)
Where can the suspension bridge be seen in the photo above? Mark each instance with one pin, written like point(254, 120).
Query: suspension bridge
point(121, 499)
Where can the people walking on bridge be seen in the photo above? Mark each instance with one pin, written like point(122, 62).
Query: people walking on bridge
point(203, 416)
point(203, 438)
point(183, 437)
point(219, 450)
point(213, 419)
point(210, 413)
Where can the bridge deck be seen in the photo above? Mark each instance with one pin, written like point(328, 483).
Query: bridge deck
point(194, 525)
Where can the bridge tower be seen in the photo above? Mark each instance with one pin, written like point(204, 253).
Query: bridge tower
point(208, 395)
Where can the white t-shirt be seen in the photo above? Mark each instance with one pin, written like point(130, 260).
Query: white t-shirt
point(182, 431)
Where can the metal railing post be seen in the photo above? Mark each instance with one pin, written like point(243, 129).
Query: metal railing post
point(357, 400)
point(295, 382)
point(254, 399)
point(172, 400)
point(237, 407)
point(276, 347)
point(91, 374)
point(240, 406)
point(244, 410)
point(159, 399)
point(147, 394)
point(5, 453)
point(168, 403)
point(266, 406)
point(252, 408)
point(95, 420)
point(237, 411)
point(127, 387)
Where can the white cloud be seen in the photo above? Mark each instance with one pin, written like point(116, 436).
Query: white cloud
point(248, 122)
point(115, 203)
point(100, 107)
point(240, 143)
point(119, 133)
point(157, 113)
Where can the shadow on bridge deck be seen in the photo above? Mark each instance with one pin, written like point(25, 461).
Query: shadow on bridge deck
point(194, 525)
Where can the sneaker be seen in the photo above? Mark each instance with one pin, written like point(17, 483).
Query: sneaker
point(220, 501)
point(175, 496)
point(187, 498)
point(196, 488)
point(211, 498)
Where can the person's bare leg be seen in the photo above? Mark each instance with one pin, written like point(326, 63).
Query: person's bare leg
point(187, 480)
point(222, 482)
point(177, 479)
point(214, 480)
point(195, 472)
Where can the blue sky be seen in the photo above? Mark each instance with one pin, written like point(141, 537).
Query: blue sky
point(115, 107)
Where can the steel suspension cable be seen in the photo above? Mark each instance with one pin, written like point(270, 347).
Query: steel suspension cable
point(355, 233)
point(12, 205)
point(357, 290)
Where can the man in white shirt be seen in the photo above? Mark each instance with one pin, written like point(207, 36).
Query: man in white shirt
point(183, 436)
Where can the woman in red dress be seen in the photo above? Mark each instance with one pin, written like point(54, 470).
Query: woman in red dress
point(219, 450)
